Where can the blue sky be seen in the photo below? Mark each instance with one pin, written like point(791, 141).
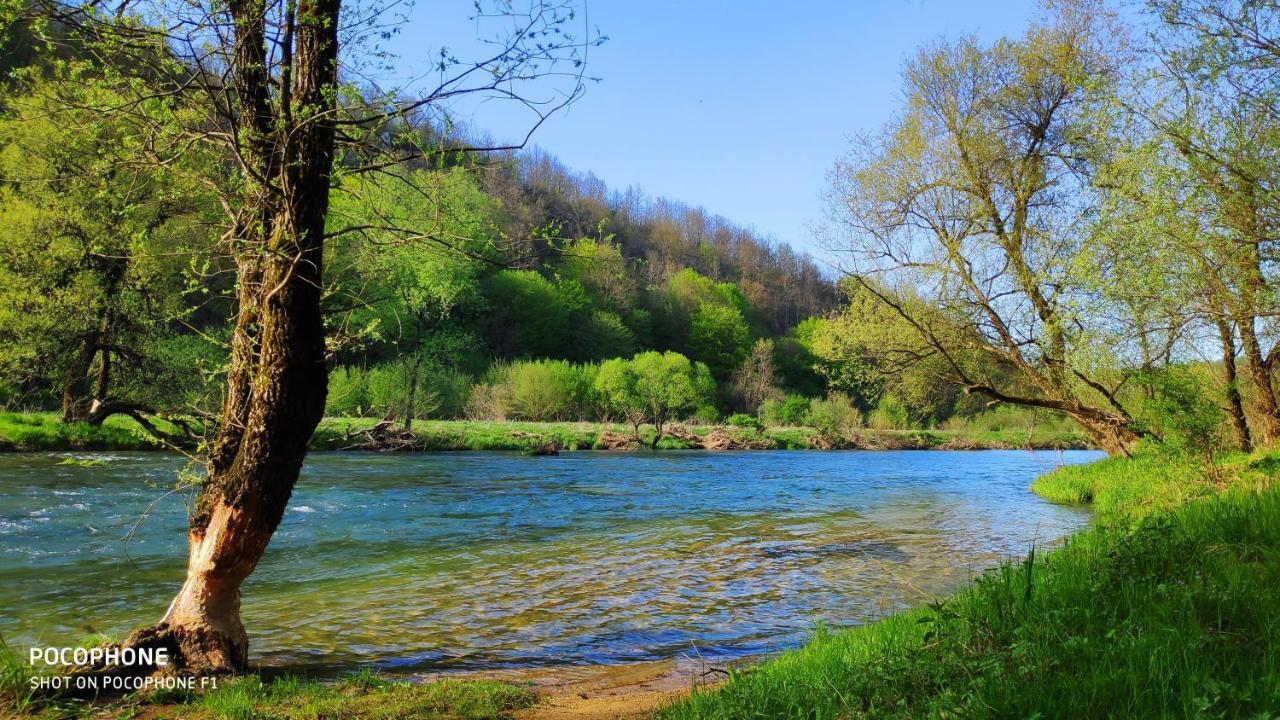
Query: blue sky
point(740, 107)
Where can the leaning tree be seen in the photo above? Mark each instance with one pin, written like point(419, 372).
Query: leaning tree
point(278, 93)
point(969, 216)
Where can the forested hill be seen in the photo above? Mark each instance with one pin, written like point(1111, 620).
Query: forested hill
point(526, 262)
point(665, 236)
point(442, 276)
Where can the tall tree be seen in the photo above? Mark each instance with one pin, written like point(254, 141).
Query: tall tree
point(420, 240)
point(968, 211)
point(268, 81)
point(1213, 98)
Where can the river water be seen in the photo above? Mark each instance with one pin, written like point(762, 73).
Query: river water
point(424, 562)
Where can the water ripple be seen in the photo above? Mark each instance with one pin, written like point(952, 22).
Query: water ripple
point(482, 560)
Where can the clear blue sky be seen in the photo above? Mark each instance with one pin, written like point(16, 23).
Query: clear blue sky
point(738, 106)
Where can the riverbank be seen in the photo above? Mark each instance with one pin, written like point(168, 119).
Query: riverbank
point(633, 691)
point(30, 432)
point(1165, 607)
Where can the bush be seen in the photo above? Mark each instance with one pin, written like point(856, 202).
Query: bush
point(546, 390)
point(180, 371)
point(789, 411)
point(889, 414)
point(707, 414)
point(835, 418)
point(1185, 419)
point(743, 420)
point(348, 393)
point(383, 391)
point(536, 390)
point(487, 402)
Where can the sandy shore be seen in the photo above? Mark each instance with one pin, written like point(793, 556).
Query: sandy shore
point(605, 692)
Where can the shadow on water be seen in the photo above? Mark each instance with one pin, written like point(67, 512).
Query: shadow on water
point(485, 560)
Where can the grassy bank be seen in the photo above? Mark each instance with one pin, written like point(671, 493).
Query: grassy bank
point(43, 431)
point(362, 696)
point(1166, 607)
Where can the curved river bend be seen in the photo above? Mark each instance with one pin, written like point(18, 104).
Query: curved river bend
point(486, 560)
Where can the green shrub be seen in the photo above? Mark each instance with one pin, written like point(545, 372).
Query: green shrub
point(889, 414)
point(707, 414)
point(193, 372)
point(348, 393)
point(789, 411)
point(382, 391)
point(743, 420)
point(1181, 414)
point(546, 390)
point(835, 418)
point(537, 390)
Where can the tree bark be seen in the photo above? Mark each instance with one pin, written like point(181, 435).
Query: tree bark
point(1235, 406)
point(1260, 377)
point(410, 396)
point(1112, 438)
point(75, 383)
point(277, 379)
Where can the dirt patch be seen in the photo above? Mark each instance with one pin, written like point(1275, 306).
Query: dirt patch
point(606, 692)
point(612, 440)
point(723, 439)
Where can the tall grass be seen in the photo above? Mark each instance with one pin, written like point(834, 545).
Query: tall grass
point(16, 694)
point(1167, 608)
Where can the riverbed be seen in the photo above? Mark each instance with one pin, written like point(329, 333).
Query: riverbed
point(480, 561)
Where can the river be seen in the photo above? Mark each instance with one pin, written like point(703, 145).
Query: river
point(464, 561)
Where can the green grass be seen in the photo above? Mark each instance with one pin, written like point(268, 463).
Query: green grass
point(44, 431)
point(1167, 607)
point(507, 435)
point(358, 697)
point(1126, 489)
point(361, 696)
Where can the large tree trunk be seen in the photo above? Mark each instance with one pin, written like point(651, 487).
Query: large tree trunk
point(277, 379)
point(1235, 406)
point(1113, 437)
point(75, 383)
point(1260, 376)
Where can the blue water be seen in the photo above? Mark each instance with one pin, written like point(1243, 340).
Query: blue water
point(484, 560)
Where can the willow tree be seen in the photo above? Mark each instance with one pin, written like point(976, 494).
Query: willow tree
point(969, 216)
point(1212, 99)
point(260, 84)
